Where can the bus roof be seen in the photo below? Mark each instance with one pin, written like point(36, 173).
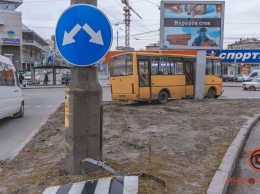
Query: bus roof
point(184, 53)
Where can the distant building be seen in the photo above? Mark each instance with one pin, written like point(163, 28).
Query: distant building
point(122, 48)
point(248, 43)
point(34, 49)
point(23, 46)
point(153, 46)
point(54, 52)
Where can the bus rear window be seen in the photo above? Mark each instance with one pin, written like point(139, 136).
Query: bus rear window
point(121, 65)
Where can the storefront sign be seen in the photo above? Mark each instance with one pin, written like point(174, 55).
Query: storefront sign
point(11, 33)
point(240, 56)
point(11, 41)
point(192, 24)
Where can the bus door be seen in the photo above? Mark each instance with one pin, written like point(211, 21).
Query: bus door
point(144, 79)
point(189, 72)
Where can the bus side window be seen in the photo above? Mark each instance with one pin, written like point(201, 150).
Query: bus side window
point(155, 66)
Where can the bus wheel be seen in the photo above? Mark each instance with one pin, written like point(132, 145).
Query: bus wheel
point(211, 93)
point(163, 97)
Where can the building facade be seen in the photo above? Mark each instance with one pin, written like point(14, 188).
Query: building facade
point(248, 43)
point(23, 46)
point(236, 62)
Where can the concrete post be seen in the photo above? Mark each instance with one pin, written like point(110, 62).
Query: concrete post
point(84, 135)
point(84, 132)
point(200, 75)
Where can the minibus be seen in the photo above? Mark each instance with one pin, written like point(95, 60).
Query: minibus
point(11, 96)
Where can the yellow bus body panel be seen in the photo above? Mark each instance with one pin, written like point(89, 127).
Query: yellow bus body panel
point(213, 81)
point(122, 88)
point(175, 84)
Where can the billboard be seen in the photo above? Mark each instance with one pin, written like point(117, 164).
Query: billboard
point(192, 25)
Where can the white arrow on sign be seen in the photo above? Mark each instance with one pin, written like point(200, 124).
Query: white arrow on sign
point(68, 37)
point(96, 37)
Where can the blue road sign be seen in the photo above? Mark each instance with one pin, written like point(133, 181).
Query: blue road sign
point(83, 35)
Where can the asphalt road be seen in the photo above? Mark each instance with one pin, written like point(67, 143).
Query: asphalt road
point(15, 132)
point(239, 92)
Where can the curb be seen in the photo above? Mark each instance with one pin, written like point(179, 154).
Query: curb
point(224, 172)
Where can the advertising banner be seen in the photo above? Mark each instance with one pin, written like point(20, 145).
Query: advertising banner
point(192, 25)
point(241, 56)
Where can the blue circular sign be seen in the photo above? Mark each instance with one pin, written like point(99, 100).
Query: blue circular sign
point(83, 35)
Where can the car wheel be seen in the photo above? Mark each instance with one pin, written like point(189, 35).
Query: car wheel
point(211, 93)
point(252, 88)
point(163, 97)
point(20, 114)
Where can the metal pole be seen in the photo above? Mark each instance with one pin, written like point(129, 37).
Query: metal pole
point(200, 75)
point(83, 115)
point(117, 38)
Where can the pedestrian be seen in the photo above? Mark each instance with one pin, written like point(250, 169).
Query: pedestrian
point(46, 79)
point(21, 77)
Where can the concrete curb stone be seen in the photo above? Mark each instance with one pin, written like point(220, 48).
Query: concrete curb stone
point(218, 184)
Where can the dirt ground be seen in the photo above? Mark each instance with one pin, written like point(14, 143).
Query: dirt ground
point(188, 140)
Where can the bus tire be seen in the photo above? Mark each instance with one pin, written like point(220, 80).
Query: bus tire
point(163, 97)
point(211, 93)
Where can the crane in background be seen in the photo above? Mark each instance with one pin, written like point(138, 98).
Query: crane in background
point(127, 21)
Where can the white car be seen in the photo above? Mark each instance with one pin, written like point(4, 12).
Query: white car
point(252, 85)
point(11, 95)
point(28, 78)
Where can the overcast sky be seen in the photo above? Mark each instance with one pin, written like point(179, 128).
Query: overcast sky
point(241, 19)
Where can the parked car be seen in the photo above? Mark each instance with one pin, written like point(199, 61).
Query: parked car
point(41, 71)
point(252, 75)
point(239, 77)
point(65, 77)
point(251, 85)
point(28, 78)
point(227, 78)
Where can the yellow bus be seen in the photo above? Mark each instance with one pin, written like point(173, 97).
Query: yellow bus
point(139, 76)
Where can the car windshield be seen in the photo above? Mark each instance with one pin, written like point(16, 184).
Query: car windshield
point(27, 74)
point(254, 80)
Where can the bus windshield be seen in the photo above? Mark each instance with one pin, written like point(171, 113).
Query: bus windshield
point(121, 65)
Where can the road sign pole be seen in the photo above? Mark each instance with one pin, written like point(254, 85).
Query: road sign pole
point(84, 132)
